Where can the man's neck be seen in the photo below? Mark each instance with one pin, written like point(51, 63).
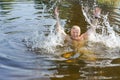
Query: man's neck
point(76, 38)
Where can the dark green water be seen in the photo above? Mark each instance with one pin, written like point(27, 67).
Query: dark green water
point(34, 19)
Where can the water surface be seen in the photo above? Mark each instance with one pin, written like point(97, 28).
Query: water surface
point(26, 25)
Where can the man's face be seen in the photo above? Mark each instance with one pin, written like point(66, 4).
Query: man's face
point(75, 31)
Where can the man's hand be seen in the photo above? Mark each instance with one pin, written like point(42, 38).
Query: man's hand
point(97, 12)
point(56, 12)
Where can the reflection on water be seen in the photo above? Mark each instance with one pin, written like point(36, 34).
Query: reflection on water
point(32, 21)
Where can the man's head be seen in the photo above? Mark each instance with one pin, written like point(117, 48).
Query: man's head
point(75, 31)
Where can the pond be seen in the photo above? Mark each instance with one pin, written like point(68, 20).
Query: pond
point(30, 48)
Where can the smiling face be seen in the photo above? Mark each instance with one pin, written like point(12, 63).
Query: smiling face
point(75, 32)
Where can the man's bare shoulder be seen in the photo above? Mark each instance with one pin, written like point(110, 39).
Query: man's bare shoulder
point(67, 38)
point(84, 36)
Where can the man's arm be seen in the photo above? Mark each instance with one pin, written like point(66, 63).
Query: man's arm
point(96, 14)
point(94, 23)
point(58, 26)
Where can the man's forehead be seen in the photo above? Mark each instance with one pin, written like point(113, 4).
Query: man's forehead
point(76, 27)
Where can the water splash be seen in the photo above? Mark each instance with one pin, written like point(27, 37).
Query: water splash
point(105, 33)
point(45, 40)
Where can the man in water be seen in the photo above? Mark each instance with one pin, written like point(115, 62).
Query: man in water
point(77, 40)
